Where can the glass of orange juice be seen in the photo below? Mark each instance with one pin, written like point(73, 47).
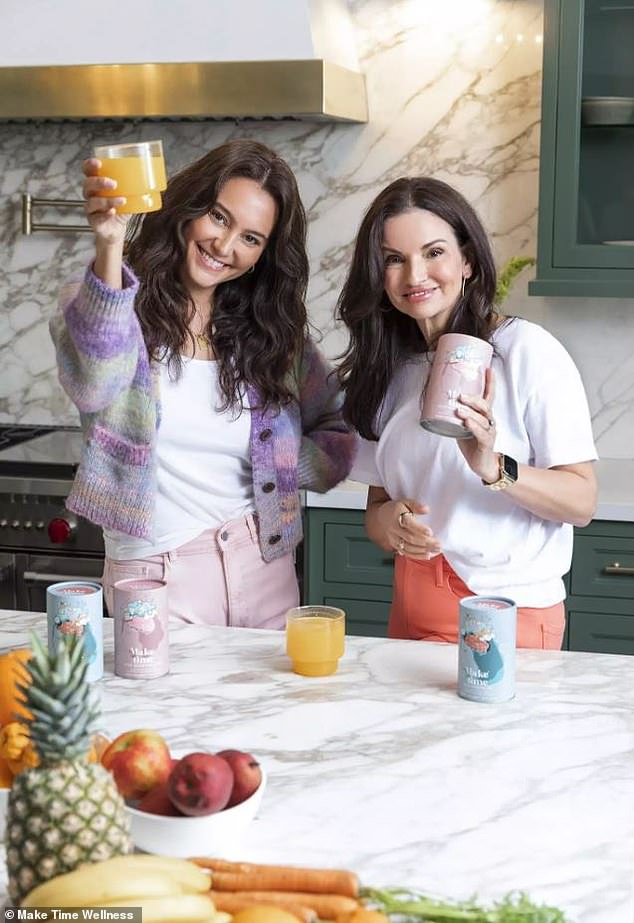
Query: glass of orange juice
point(315, 639)
point(139, 169)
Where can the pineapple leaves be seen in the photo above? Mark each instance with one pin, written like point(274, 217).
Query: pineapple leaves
point(63, 705)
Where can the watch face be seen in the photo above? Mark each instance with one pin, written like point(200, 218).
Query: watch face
point(510, 467)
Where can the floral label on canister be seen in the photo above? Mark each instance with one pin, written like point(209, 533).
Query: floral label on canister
point(486, 657)
point(140, 631)
point(75, 608)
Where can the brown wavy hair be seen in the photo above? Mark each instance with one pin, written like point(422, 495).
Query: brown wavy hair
point(382, 337)
point(259, 319)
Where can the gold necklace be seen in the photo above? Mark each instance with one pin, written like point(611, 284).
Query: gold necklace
point(203, 340)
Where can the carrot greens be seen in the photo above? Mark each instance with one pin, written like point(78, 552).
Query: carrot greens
point(405, 905)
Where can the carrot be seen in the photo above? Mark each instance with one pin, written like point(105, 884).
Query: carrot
point(225, 901)
point(245, 876)
point(326, 906)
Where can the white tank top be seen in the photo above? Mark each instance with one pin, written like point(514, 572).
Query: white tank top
point(204, 474)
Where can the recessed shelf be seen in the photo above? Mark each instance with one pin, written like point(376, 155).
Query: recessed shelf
point(607, 110)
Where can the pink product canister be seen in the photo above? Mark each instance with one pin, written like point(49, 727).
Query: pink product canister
point(75, 607)
point(486, 648)
point(141, 642)
point(458, 367)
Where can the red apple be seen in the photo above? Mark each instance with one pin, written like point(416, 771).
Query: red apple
point(247, 775)
point(139, 760)
point(157, 801)
point(200, 784)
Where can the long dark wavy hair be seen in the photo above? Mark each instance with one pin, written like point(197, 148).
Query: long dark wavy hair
point(382, 337)
point(259, 321)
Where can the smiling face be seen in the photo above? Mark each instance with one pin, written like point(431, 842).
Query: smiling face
point(227, 241)
point(424, 268)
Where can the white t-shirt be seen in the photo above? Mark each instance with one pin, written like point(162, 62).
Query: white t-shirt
point(542, 418)
point(204, 475)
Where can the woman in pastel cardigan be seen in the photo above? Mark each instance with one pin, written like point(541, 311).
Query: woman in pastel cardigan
point(205, 404)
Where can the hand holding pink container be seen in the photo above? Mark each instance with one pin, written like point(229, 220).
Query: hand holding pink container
point(459, 367)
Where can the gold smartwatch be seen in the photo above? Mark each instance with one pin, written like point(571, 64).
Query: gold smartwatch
point(507, 473)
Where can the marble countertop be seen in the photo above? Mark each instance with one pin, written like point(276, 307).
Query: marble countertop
point(384, 770)
point(616, 492)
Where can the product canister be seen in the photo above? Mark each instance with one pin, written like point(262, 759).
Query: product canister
point(75, 607)
point(141, 642)
point(486, 648)
point(458, 367)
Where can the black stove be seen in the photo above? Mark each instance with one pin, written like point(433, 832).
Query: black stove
point(41, 542)
point(33, 451)
point(14, 433)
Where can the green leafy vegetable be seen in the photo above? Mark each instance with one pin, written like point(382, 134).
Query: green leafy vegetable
point(410, 906)
point(507, 274)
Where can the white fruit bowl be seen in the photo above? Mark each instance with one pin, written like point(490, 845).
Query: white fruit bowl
point(185, 837)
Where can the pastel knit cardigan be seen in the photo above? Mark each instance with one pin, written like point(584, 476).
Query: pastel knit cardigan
point(105, 370)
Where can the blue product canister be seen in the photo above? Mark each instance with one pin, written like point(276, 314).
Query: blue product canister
point(75, 607)
point(486, 648)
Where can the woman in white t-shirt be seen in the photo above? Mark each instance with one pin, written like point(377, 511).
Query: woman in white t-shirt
point(422, 266)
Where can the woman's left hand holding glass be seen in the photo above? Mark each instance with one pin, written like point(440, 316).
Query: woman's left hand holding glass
point(477, 415)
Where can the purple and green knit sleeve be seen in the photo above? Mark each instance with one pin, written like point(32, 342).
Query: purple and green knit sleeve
point(327, 446)
point(98, 340)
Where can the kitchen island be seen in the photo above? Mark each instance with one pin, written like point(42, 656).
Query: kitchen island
point(381, 768)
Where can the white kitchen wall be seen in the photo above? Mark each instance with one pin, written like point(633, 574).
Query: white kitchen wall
point(454, 91)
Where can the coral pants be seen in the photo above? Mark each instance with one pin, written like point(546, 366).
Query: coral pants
point(219, 578)
point(425, 607)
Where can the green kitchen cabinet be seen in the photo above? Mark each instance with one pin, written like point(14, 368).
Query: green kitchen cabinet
point(586, 197)
point(600, 606)
point(342, 567)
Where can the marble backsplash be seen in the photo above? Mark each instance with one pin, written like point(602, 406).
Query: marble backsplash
point(454, 91)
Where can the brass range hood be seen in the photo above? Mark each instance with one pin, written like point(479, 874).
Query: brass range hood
point(299, 89)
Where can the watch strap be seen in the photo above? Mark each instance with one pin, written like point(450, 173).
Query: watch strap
point(507, 470)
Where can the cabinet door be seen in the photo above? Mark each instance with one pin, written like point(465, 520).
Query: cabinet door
point(603, 566)
point(342, 567)
point(600, 632)
point(586, 230)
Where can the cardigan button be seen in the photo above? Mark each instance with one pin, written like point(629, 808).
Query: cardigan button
point(274, 539)
point(268, 487)
point(265, 434)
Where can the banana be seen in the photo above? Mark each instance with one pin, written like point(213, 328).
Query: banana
point(182, 908)
point(191, 877)
point(120, 879)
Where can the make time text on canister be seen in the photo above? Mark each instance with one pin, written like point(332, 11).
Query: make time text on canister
point(141, 643)
point(486, 648)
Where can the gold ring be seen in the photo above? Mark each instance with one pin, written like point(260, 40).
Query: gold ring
point(401, 515)
point(400, 549)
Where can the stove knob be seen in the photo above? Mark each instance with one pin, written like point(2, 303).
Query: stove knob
point(3, 523)
point(60, 530)
point(15, 524)
point(27, 524)
point(39, 525)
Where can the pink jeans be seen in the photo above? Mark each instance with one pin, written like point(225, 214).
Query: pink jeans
point(219, 578)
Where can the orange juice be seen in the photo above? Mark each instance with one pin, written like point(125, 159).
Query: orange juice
point(139, 171)
point(315, 639)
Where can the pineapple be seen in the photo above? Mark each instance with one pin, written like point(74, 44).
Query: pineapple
point(65, 811)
